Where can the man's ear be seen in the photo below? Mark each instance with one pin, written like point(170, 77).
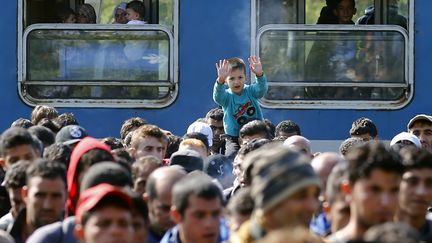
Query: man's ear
point(132, 151)
point(24, 194)
point(346, 188)
point(79, 232)
point(175, 215)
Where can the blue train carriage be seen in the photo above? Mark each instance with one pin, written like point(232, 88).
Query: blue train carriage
point(321, 76)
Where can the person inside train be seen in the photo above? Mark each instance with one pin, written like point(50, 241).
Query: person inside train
point(135, 11)
point(86, 14)
point(119, 14)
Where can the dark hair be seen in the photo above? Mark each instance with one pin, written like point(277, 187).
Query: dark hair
point(173, 145)
point(91, 157)
point(148, 130)
point(138, 7)
point(416, 158)
point(46, 169)
point(194, 184)
point(66, 119)
point(106, 172)
point(48, 123)
point(22, 122)
point(241, 203)
point(16, 175)
point(121, 154)
point(45, 135)
point(287, 126)
point(197, 135)
point(113, 142)
point(364, 159)
point(43, 111)
point(131, 124)
point(337, 176)
point(63, 13)
point(270, 127)
point(58, 152)
point(392, 232)
point(255, 127)
point(363, 126)
point(215, 114)
point(139, 205)
point(16, 136)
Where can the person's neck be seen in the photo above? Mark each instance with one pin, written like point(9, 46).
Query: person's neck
point(415, 221)
point(352, 231)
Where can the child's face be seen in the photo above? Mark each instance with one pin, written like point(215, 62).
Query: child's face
point(131, 14)
point(345, 11)
point(71, 19)
point(120, 16)
point(236, 80)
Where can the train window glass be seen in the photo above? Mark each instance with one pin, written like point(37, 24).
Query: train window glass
point(277, 12)
point(99, 64)
point(336, 66)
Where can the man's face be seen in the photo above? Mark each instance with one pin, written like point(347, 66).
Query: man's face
point(143, 174)
point(236, 80)
point(415, 194)
point(150, 146)
point(45, 200)
point(109, 225)
point(159, 209)
point(424, 132)
point(140, 228)
point(15, 200)
point(20, 152)
point(374, 199)
point(296, 209)
point(218, 130)
point(345, 11)
point(200, 221)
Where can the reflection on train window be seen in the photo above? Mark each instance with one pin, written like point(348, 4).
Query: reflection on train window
point(363, 60)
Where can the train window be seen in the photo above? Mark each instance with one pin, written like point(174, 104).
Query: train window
point(101, 64)
point(345, 66)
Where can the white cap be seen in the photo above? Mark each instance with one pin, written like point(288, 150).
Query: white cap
point(203, 128)
point(406, 136)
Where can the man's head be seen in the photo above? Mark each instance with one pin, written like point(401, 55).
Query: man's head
point(254, 130)
point(131, 125)
point(148, 140)
point(344, 11)
point(300, 143)
point(415, 193)
point(323, 165)
point(364, 128)
point(214, 118)
point(141, 170)
point(287, 129)
point(45, 193)
point(237, 76)
point(104, 215)
point(374, 174)
point(421, 126)
point(14, 181)
point(197, 208)
point(284, 186)
point(239, 208)
point(16, 143)
point(196, 145)
point(43, 111)
point(158, 196)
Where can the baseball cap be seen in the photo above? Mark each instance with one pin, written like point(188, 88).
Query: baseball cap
point(406, 136)
point(91, 197)
point(203, 128)
point(70, 134)
point(189, 159)
point(417, 118)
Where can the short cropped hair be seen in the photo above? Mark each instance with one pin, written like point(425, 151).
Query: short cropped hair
point(58, 152)
point(337, 176)
point(363, 126)
point(16, 136)
point(195, 184)
point(215, 114)
point(46, 169)
point(66, 119)
point(255, 127)
point(130, 125)
point(138, 7)
point(416, 158)
point(237, 63)
point(287, 126)
point(364, 159)
point(16, 175)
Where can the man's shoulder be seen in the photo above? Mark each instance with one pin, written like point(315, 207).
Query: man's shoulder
point(58, 232)
point(171, 236)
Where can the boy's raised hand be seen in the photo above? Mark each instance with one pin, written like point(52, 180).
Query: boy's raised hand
point(223, 70)
point(255, 65)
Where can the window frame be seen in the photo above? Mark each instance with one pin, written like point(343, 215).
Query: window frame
point(339, 104)
point(171, 31)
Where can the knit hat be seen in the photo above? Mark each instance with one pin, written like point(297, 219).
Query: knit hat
point(91, 197)
point(278, 173)
point(189, 159)
point(203, 128)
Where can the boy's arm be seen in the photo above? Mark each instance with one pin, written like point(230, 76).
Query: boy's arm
point(260, 87)
point(220, 96)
